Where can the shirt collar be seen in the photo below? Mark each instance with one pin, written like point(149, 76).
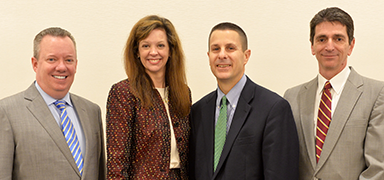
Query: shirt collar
point(50, 100)
point(234, 94)
point(337, 81)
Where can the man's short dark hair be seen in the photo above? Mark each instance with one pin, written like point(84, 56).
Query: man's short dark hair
point(332, 14)
point(234, 27)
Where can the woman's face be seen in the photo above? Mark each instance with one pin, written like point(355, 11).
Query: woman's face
point(154, 53)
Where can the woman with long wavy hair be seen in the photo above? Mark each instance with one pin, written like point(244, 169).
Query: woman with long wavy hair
point(148, 113)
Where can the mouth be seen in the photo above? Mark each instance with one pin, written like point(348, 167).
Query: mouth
point(329, 55)
point(60, 77)
point(154, 61)
point(223, 65)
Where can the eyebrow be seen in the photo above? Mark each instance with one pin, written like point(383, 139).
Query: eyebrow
point(335, 35)
point(143, 41)
point(228, 44)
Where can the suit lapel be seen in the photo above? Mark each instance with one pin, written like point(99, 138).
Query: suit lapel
point(349, 97)
point(86, 126)
point(37, 106)
point(208, 114)
point(241, 113)
point(307, 103)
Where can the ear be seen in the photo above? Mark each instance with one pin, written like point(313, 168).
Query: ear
point(34, 63)
point(208, 58)
point(247, 54)
point(312, 50)
point(351, 46)
point(76, 65)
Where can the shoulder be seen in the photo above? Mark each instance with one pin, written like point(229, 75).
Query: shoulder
point(205, 99)
point(367, 84)
point(20, 98)
point(254, 90)
point(12, 101)
point(294, 91)
point(262, 101)
point(122, 84)
point(76, 99)
point(372, 83)
point(122, 87)
point(121, 93)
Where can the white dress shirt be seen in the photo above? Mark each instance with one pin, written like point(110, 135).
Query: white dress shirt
point(71, 114)
point(337, 83)
point(175, 158)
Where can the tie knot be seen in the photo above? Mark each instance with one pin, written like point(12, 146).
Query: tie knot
point(327, 85)
point(224, 100)
point(60, 104)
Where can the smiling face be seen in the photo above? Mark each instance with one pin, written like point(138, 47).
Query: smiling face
point(154, 53)
point(56, 67)
point(227, 58)
point(331, 48)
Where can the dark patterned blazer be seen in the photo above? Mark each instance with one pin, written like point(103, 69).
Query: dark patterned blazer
point(139, 139)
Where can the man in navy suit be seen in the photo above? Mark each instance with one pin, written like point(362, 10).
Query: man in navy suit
point(261, 140)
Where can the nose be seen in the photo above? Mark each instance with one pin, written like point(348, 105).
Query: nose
point(153, 51)
point(222, 54)
point(61, 66)
point(330, 45)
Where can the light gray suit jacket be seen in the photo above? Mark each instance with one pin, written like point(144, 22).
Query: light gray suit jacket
point(32, 145)
point(354, 145)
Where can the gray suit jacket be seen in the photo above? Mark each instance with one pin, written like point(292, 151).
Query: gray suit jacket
point(354, 145)
point(32, 145)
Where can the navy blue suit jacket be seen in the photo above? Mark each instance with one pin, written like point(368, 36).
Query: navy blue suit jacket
point(262, 142)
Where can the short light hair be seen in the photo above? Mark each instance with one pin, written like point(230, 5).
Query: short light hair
point(52, 31)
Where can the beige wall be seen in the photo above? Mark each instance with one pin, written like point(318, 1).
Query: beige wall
point(278, 33)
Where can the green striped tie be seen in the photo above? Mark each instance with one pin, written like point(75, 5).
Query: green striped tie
point(220, 131)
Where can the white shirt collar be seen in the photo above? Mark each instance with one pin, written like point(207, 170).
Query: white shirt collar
point(337, 81)
point(50, 100)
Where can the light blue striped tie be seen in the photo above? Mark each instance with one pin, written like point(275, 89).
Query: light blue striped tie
point(220, 131)
point(70, 135)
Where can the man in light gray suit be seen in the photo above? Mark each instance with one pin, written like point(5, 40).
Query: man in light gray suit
point(351, 146)
point(32, 142)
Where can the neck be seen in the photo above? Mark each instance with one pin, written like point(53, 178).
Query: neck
point(158, 81)
point(225, 87)
point(329, 74)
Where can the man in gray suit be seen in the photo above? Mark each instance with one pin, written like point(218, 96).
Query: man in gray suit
point(33, 142)
point(347, 143)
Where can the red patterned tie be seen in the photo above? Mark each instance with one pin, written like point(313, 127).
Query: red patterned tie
point(323, 119)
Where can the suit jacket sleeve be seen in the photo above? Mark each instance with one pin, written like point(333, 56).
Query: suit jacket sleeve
point(374, 142)
point(119, 119)
point(102, 168)
point(280, 144)
point(6, 146)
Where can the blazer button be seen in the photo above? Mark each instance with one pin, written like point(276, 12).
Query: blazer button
point(179, 139)
point(176, 124)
